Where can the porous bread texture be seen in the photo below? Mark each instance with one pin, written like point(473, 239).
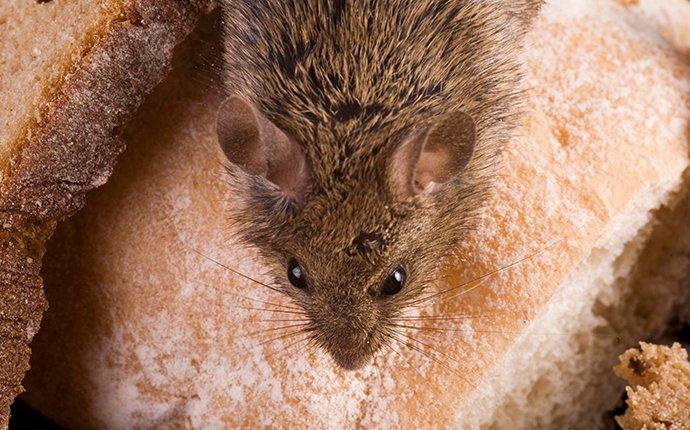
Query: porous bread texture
point(145, 332)
point(625, 290)
point(659, 391)
point(70, 74)
point(670, 17)
point(630, 286)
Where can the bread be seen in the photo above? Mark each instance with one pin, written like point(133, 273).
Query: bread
point(145, 332)
point(670, 17)
point(659, 391)
point(70, 74)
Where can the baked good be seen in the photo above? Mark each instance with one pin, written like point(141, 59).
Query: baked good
point(145, 332)
point(70, 74)
point(670, 17)
point(659, 391)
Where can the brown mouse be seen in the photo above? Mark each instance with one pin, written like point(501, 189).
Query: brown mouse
point(362, 136)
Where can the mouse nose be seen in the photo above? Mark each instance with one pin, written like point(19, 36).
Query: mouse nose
point(350, 304)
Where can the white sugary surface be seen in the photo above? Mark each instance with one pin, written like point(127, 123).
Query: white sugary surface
point(144, 332)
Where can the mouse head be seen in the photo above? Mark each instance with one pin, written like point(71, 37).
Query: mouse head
point(361, 144)
point(354, 236)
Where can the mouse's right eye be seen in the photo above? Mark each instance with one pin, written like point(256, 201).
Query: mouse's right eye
point(394, 282)
point(296, 275)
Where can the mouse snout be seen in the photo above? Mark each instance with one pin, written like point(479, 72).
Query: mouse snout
point(352, 311)
point(352, 319)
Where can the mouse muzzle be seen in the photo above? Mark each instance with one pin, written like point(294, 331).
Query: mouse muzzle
point(350, 328)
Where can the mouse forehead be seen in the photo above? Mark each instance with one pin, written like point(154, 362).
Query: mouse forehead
point(353, 233)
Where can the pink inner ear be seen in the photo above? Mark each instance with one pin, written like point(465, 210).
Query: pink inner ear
point(434, 167)
point(447, 151)
point(427, 160)
point(403, 165)
point(288, 169)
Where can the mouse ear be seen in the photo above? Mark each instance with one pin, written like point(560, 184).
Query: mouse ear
point(259, 147)
point(427, 160)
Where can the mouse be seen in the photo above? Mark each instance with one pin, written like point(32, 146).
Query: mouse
point(361, 139)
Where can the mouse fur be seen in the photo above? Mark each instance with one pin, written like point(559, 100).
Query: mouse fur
point(362, 137)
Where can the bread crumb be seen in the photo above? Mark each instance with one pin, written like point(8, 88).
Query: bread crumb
point(659, 391)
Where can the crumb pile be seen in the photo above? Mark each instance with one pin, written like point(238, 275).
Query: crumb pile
point(659, 391)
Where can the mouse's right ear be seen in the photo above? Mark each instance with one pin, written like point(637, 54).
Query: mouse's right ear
point(256, 145)
point(427, 160)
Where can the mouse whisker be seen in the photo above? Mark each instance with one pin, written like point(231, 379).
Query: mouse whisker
point(428, 354)
point(278, 311)
point(283, 336)
point(272, 329)
point(279, 306)
point(284, 320)
point(428, 329)
point(238, 273)
point(423, 344)
point(295, 343)
point(535, 253)
point(404, 359)
point(445, 329)
point(411, 366)
point(285, 348)
point(445, 317)
point(478, 281)
point(263, 302)
point(425, 299)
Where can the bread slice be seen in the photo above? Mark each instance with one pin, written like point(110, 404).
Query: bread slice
point(670, 17)
point(145, 332)
point(70, 74)
point(659, 391)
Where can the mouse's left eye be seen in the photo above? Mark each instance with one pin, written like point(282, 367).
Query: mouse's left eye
point(394, 282)
point(296, 275)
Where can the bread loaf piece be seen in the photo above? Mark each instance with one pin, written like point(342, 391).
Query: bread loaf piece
point(670, 17)
point(71, 71)
point(659, 391)
point(145, 332)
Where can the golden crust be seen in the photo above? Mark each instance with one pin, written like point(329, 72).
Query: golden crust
point(66, 146)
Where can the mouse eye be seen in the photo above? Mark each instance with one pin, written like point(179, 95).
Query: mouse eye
point(296, 275)
point(394, 282)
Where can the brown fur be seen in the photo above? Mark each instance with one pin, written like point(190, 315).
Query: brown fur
point(348, 81)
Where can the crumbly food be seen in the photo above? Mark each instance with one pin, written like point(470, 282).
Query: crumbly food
point(71, 72)
point(659, 390)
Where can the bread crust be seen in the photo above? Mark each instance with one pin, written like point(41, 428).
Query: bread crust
point(68, 148)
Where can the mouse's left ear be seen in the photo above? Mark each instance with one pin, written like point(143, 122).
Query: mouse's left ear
point(261, 149)
point(428, 159)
